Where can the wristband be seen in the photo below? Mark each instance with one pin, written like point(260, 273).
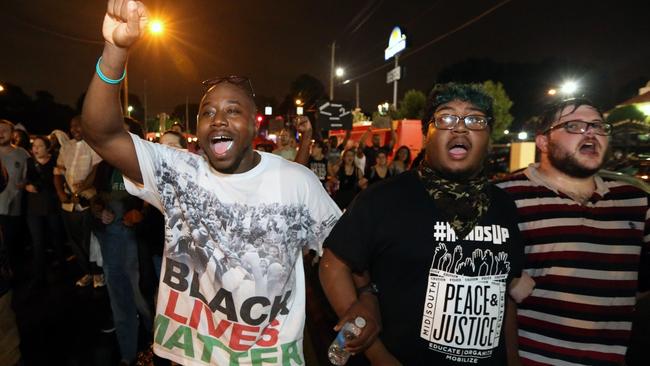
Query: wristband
point(105, 78)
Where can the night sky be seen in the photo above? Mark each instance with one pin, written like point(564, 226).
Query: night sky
point(53, 45)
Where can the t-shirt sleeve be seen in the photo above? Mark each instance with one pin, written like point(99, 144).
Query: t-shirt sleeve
point(352, 238)
point(323, 211)
point(94, 158)
point(150, 156)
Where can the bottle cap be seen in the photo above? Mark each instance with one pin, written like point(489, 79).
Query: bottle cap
point(360, 322)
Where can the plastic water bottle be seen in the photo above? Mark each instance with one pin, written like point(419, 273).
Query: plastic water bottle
point(336, 353)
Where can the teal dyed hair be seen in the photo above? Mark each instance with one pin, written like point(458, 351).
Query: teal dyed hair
point(445, 93)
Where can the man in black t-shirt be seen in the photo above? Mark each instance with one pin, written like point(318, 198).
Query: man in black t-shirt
point(434, 250)
point(371, 151)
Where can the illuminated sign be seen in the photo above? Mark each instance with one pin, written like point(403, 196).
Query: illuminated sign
point(396, 43)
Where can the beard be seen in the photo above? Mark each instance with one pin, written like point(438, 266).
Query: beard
point(567, 163)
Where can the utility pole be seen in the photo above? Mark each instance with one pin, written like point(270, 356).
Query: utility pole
point(187, 114)
point(356, 86)
point(332, 71)
point(395, 84)
point(145, 108)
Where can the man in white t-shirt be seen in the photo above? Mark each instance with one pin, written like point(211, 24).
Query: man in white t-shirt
point(221, 299)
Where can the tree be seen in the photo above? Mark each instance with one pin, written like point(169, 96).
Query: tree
point(306, 87)
point(412, 106)
point(500, 107)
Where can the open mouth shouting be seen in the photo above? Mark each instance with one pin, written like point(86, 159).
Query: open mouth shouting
point(458, 148)
point(221, 144)
point(589, 147)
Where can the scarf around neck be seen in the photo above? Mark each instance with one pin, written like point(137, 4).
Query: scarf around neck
point(462, 204)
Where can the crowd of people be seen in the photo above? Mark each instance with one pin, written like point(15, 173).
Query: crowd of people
point(445, 266)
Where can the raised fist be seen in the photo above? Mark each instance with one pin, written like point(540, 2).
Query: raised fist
point(124, 23)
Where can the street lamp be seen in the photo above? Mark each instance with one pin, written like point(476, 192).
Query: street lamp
point(551, 92)
point(569, 87)
point(523, 135)
point(340, 72)
point(156, 26)
point(2, 88)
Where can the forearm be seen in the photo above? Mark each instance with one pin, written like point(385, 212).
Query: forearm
point(102, 117)
point(58, 185)
point(302, 157)
point(338, 282)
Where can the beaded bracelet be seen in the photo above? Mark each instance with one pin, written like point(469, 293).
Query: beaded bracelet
point(104, 77)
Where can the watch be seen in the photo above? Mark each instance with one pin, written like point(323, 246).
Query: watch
point(369, 288)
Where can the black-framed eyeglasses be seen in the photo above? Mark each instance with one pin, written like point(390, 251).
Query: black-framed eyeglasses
point(240, 81)
point(580, 127)
point(450, 121)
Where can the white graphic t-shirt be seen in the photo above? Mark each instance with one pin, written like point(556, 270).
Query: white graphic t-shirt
point(232, 288)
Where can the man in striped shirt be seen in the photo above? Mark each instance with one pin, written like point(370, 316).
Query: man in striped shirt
point(584, 237)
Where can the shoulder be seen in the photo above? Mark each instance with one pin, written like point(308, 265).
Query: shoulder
point(623, 187)
point(284, 166)
point(513, 180)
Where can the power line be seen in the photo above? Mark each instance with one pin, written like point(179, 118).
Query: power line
point(435, 40)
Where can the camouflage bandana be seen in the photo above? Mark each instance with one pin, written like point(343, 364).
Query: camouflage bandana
point(462, 204)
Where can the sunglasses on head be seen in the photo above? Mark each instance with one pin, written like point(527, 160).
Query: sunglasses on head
point(241, 81)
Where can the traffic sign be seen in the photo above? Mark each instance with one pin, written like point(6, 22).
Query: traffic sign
point(393, 75)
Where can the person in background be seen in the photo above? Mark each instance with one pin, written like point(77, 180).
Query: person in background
point(380, 170)
point(402, 160)
point(43, 216)
point(14, 159)
point(176, 127)
point(173, 139)
point(318, 162)
point(116, 213)
point(20, 138)
point(9, 336)
point(335, 150)
point(286, 145)
point(347, 181)
point(73, 179)
point(371, 151)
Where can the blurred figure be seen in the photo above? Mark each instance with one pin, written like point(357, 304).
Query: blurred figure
point(318, 161)
point(379, 171)
point(402, 160)
point(347, 181)
point(73, 179)
point(14, 160)
point(335, 149)
point(9, 336)
point(176, 127)
point(286, 145)
point(43, 218)
point(20, 138)
point(173, 139)
point(115, 215)
point(375, 147)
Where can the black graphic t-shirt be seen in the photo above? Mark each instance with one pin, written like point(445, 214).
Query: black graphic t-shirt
point(442, 298)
